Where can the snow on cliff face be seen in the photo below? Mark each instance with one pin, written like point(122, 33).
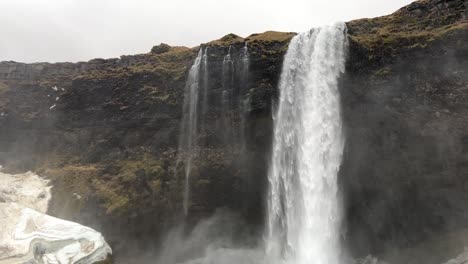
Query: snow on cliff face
point(26, 189)
point(28, 235)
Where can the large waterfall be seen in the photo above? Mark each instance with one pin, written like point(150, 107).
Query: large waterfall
point(304, 207)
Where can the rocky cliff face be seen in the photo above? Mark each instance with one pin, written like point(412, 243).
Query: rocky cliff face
point(107, 131)
point(405, 108)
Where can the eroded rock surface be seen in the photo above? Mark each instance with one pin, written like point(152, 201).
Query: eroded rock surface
point(111, 136)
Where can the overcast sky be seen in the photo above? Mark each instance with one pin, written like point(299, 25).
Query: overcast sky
point(77, 30)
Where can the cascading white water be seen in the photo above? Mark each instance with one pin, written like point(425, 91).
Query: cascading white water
point(243, 102)
point(226, 97)
point(304, 207)
point(245, 64)
point(189, 131)
point(195, 108)
point(204, 69)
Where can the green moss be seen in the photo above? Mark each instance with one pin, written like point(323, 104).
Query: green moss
point(114, 201)
point(128, 169)
point(69, 183)
point(383, 72)
point(4, 87)
point(227, 40)
point(171, 65)
point(121, 192)
point(406, 28)
point(119, 186)
point(271, 36)
point(109, 260)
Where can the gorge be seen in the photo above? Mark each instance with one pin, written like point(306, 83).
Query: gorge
point(193, 133)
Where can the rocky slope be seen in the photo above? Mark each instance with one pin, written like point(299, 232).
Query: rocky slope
point(107, 130)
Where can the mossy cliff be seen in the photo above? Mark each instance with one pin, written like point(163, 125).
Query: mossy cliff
point(106, 131)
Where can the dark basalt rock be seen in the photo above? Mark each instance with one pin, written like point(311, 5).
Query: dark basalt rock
point(112, 135)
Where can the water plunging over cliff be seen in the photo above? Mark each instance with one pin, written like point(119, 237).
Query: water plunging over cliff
point(234, 105)
point(227, 96)
point(243, 87)
point(196, 107)
point(205, 82)
point(304, 207)
point(188, 133)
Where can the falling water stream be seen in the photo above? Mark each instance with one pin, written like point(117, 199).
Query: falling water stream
point(188, 134)
point(304, 206)
point(195, 108)
point(304, 203)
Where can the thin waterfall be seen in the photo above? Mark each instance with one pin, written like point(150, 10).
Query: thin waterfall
point(243, 102)
point(204, 69)
point(196, 104)
point(205, 88)
point(304, 203)
point(189, 129)
point(226, 96)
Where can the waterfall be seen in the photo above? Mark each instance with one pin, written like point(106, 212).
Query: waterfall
point(189, 130)
point(304, 207)
point(235, 75)
point(204, 69)
point(244, 65)
point(243, 102)
point(226, 97)
point(196, 104)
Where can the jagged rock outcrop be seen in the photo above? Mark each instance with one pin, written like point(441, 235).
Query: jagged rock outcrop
point(107, 130)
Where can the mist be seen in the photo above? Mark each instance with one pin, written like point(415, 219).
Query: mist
point(259, 132)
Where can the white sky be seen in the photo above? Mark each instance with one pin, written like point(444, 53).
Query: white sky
point(77, 30)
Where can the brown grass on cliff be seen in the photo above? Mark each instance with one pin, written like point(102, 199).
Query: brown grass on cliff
point(412, 26)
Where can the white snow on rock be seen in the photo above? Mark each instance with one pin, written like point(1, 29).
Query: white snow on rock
point(28, 235)
point(26, 189)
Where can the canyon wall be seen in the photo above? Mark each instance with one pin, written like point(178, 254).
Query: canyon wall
point(107, 131)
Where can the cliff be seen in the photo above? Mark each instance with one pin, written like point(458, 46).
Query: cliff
point(107, 130)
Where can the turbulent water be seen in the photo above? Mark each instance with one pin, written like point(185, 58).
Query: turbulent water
point(304, 211)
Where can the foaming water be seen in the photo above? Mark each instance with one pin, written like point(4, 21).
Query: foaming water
point(304, 206)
